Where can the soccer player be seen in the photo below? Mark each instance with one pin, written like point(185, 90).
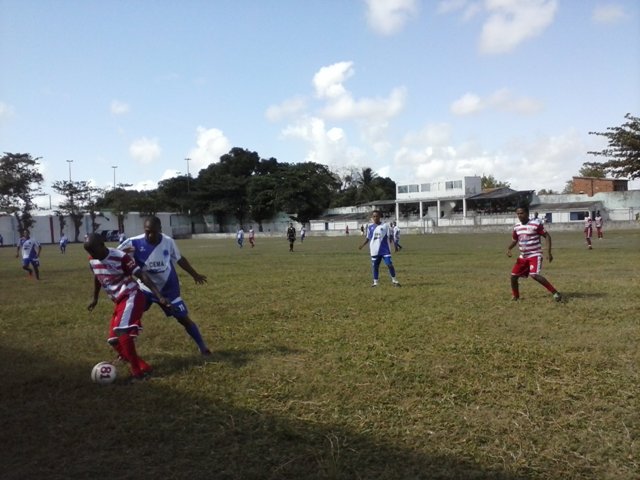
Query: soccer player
point(31, 250)
point(527, 235)
point(240, 237)
point(588, 229)
point(252, 237)
point(303, 233)
point(63, 243)
point(113, 271)
point(378, 237)
point(599, 225)
point(157, 254)
point(396, 237)
point(291, 236)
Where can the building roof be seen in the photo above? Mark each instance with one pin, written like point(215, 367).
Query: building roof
point(567, 206)
point(496, 193)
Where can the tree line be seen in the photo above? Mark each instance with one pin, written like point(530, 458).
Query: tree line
point(242, 185)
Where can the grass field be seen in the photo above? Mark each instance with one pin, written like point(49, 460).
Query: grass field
point(316, 375)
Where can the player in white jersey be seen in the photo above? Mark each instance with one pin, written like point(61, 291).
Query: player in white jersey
point(527, 235)
point(396, 237)
point(113, 271)
point(31, 250)
point(378, 237)
point(599, 221)
point(158, 254)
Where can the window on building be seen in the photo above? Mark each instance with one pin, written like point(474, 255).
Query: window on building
point(455, 184)
point(425, 187)
point(403, 189)
point(414, 188)
point(577, 216)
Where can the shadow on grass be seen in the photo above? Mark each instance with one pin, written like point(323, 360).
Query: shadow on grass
point(168, 365)
point(55, 424)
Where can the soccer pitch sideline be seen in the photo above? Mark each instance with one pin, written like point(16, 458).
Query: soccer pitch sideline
point(315, 374)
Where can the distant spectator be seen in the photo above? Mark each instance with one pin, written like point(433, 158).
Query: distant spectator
point(303, 233)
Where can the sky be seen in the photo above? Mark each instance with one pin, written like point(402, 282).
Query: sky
point(417, 90)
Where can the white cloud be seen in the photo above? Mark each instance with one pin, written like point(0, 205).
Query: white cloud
point(539, 162)
point(328, 80)
point(469, 9)
point(608, 14)
point(170, 173)
point(327, 146)
point(511, 22)
point(211, 144)
point(502, 100)
point(286, 109)
point(119, 108)
point(387, 17)
point(145, 150)
point(329, 85)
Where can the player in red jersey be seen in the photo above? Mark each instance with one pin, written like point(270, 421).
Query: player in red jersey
point(527, 235)
point(113, 271)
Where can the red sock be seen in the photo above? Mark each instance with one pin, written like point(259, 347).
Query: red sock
point(128, 348)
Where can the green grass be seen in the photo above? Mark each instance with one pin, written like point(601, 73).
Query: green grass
point(317, 375)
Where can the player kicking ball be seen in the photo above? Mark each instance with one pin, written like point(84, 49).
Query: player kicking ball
point(527, 234)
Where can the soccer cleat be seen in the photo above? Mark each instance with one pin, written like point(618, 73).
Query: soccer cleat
point(395, 284)
point(515, 299)
point(374, 284)
point(206, 352)
point(557, 297)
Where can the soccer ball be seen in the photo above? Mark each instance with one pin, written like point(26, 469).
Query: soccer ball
point(103, 373)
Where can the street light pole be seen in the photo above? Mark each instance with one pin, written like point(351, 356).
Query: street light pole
point(188, 175)
point(69, 162)
point(114, 175)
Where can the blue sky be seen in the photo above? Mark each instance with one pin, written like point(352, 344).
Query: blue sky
point(418, 90)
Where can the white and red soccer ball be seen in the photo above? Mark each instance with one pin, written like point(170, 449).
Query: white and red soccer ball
point(104, 373)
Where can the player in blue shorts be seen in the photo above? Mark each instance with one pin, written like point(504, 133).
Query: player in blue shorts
point(378, 237)
point(158, 254)
point(30, 249)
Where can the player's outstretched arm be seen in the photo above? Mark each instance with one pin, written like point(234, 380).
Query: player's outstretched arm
point(186, 266)
point(510, 247)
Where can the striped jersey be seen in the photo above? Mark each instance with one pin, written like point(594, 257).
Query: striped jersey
point(378, 236)
point(114, 273)
point(528, 237)
point(588, 223)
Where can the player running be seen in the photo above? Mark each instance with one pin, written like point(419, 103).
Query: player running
point(527, 235)
point(31, 250)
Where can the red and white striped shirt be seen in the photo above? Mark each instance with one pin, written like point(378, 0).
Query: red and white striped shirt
point(528, 237)
point(115, 274)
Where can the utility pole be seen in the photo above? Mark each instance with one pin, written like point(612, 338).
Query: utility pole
point(69, 162)
point(114, 175)
point(188, 174)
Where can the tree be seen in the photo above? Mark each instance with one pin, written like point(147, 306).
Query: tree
point(544, 191)
point(77, 197)
point(488, 182)
point(592, 169)
point(306, 190)
point(20, 183)
point(623, 150)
